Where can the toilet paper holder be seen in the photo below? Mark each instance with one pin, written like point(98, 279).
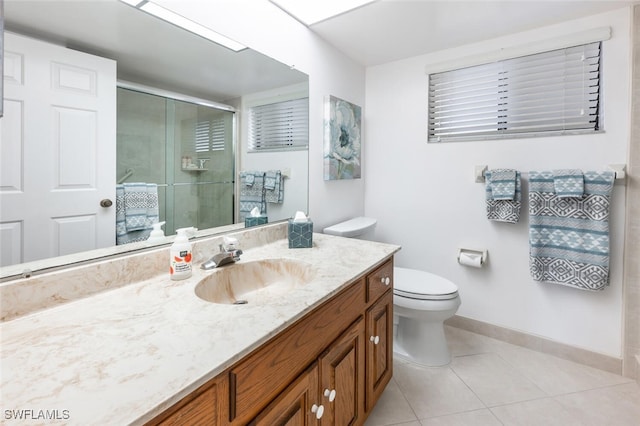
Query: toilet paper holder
point(472, 257)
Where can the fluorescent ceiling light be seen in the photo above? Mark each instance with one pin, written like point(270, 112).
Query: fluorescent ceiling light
point(310, 12)
point(187, 24)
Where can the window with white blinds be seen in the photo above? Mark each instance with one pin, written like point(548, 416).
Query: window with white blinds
point(210, 135)
point(555, 92)
point(279, 126)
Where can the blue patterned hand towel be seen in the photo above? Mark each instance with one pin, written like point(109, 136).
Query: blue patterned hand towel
point(569, 237)
point(503, 210)
point(274, 186)
point(502, 183)
point(248, 178)
point(568, 183)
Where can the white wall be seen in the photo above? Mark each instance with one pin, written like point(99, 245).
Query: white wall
point(425, 198)
point(265, 28)
point(423, 194)
point(294, 163)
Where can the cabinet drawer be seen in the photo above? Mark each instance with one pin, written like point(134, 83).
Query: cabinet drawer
point(257, 380)
point(201, 410)
point(379, 281)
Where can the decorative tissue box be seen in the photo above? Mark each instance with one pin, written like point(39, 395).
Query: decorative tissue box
point(300, 234)
point(255, 221)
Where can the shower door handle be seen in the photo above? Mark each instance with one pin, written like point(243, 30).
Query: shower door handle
point(106, 203)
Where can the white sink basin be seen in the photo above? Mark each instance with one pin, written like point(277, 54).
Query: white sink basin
point(253, 282)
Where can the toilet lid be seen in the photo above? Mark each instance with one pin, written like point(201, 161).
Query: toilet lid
point(422, 285)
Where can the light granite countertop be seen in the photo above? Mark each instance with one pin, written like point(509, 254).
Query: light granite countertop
point(124, 355)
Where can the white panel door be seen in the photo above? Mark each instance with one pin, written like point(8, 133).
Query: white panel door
point(57, 152)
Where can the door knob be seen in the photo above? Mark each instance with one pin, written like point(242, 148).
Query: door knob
point(106, 203)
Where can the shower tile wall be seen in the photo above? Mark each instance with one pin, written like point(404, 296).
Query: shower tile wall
point(141, 134)
point(141, 137)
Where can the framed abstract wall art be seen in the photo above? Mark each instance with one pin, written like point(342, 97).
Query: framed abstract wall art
point(342, 139)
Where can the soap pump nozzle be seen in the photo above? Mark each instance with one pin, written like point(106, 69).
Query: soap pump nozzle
point(186, 233)
point(157, 234)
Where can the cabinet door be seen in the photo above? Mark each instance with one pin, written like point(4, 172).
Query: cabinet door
point(295, 406)
point(342, 378)
point(379, 334)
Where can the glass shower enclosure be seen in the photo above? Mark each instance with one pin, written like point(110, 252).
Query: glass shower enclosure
point(187, 148)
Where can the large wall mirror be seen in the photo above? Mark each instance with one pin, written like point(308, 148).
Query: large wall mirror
point(181, 74)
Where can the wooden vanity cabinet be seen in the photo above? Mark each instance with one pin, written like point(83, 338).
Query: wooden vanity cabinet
point(263, 375)
point(330, 392)
point(198, 408)
point(328, 368)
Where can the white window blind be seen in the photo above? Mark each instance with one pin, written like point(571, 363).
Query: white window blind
point(210, 135)
point(554, 92)
point(279, 126)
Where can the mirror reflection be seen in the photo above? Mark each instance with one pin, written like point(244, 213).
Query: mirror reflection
point(186, 150)
point(181, 122)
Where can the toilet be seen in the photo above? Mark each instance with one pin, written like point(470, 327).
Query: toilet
point(422, 301)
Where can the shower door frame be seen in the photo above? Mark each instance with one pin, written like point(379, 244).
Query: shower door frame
point(154, 91)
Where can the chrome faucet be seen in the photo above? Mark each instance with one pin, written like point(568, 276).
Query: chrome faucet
point(228, 254)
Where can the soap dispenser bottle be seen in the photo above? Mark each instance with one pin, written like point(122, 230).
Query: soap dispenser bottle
point(157, 234)
point(180, 252)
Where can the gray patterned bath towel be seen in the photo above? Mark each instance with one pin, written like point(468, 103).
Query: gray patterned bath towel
point(569, 237)
point(252, 193)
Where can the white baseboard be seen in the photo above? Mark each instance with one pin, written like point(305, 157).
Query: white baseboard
point(561, 350)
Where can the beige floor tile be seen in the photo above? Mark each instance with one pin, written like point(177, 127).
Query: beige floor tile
point(493, 380)
point(617, 405)
point(434, 391)
point(392, 408)
point(522, 387)
point(545, 411)
point(556, 376)
point(482, 417)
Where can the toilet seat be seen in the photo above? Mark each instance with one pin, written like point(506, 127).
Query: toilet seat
point(422, 285)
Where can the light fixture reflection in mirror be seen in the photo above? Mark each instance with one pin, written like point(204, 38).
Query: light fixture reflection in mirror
point(180, 21)
point(168, 58)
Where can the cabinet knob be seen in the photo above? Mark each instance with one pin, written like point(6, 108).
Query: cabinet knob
point(106, 203)
point(331, 394)
point(385, 280)
point(375, 339)
point(318, 410)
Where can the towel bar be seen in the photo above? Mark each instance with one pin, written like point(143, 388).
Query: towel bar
point(619, 170)
point(127, 173)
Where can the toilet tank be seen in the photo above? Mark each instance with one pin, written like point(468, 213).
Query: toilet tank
point(358, 227)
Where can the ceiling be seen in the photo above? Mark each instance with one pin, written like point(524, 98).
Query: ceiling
point(148, 50)
point(155, 53)
point(389, 30)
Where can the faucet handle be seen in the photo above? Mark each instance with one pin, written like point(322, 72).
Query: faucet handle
point(230, 242)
